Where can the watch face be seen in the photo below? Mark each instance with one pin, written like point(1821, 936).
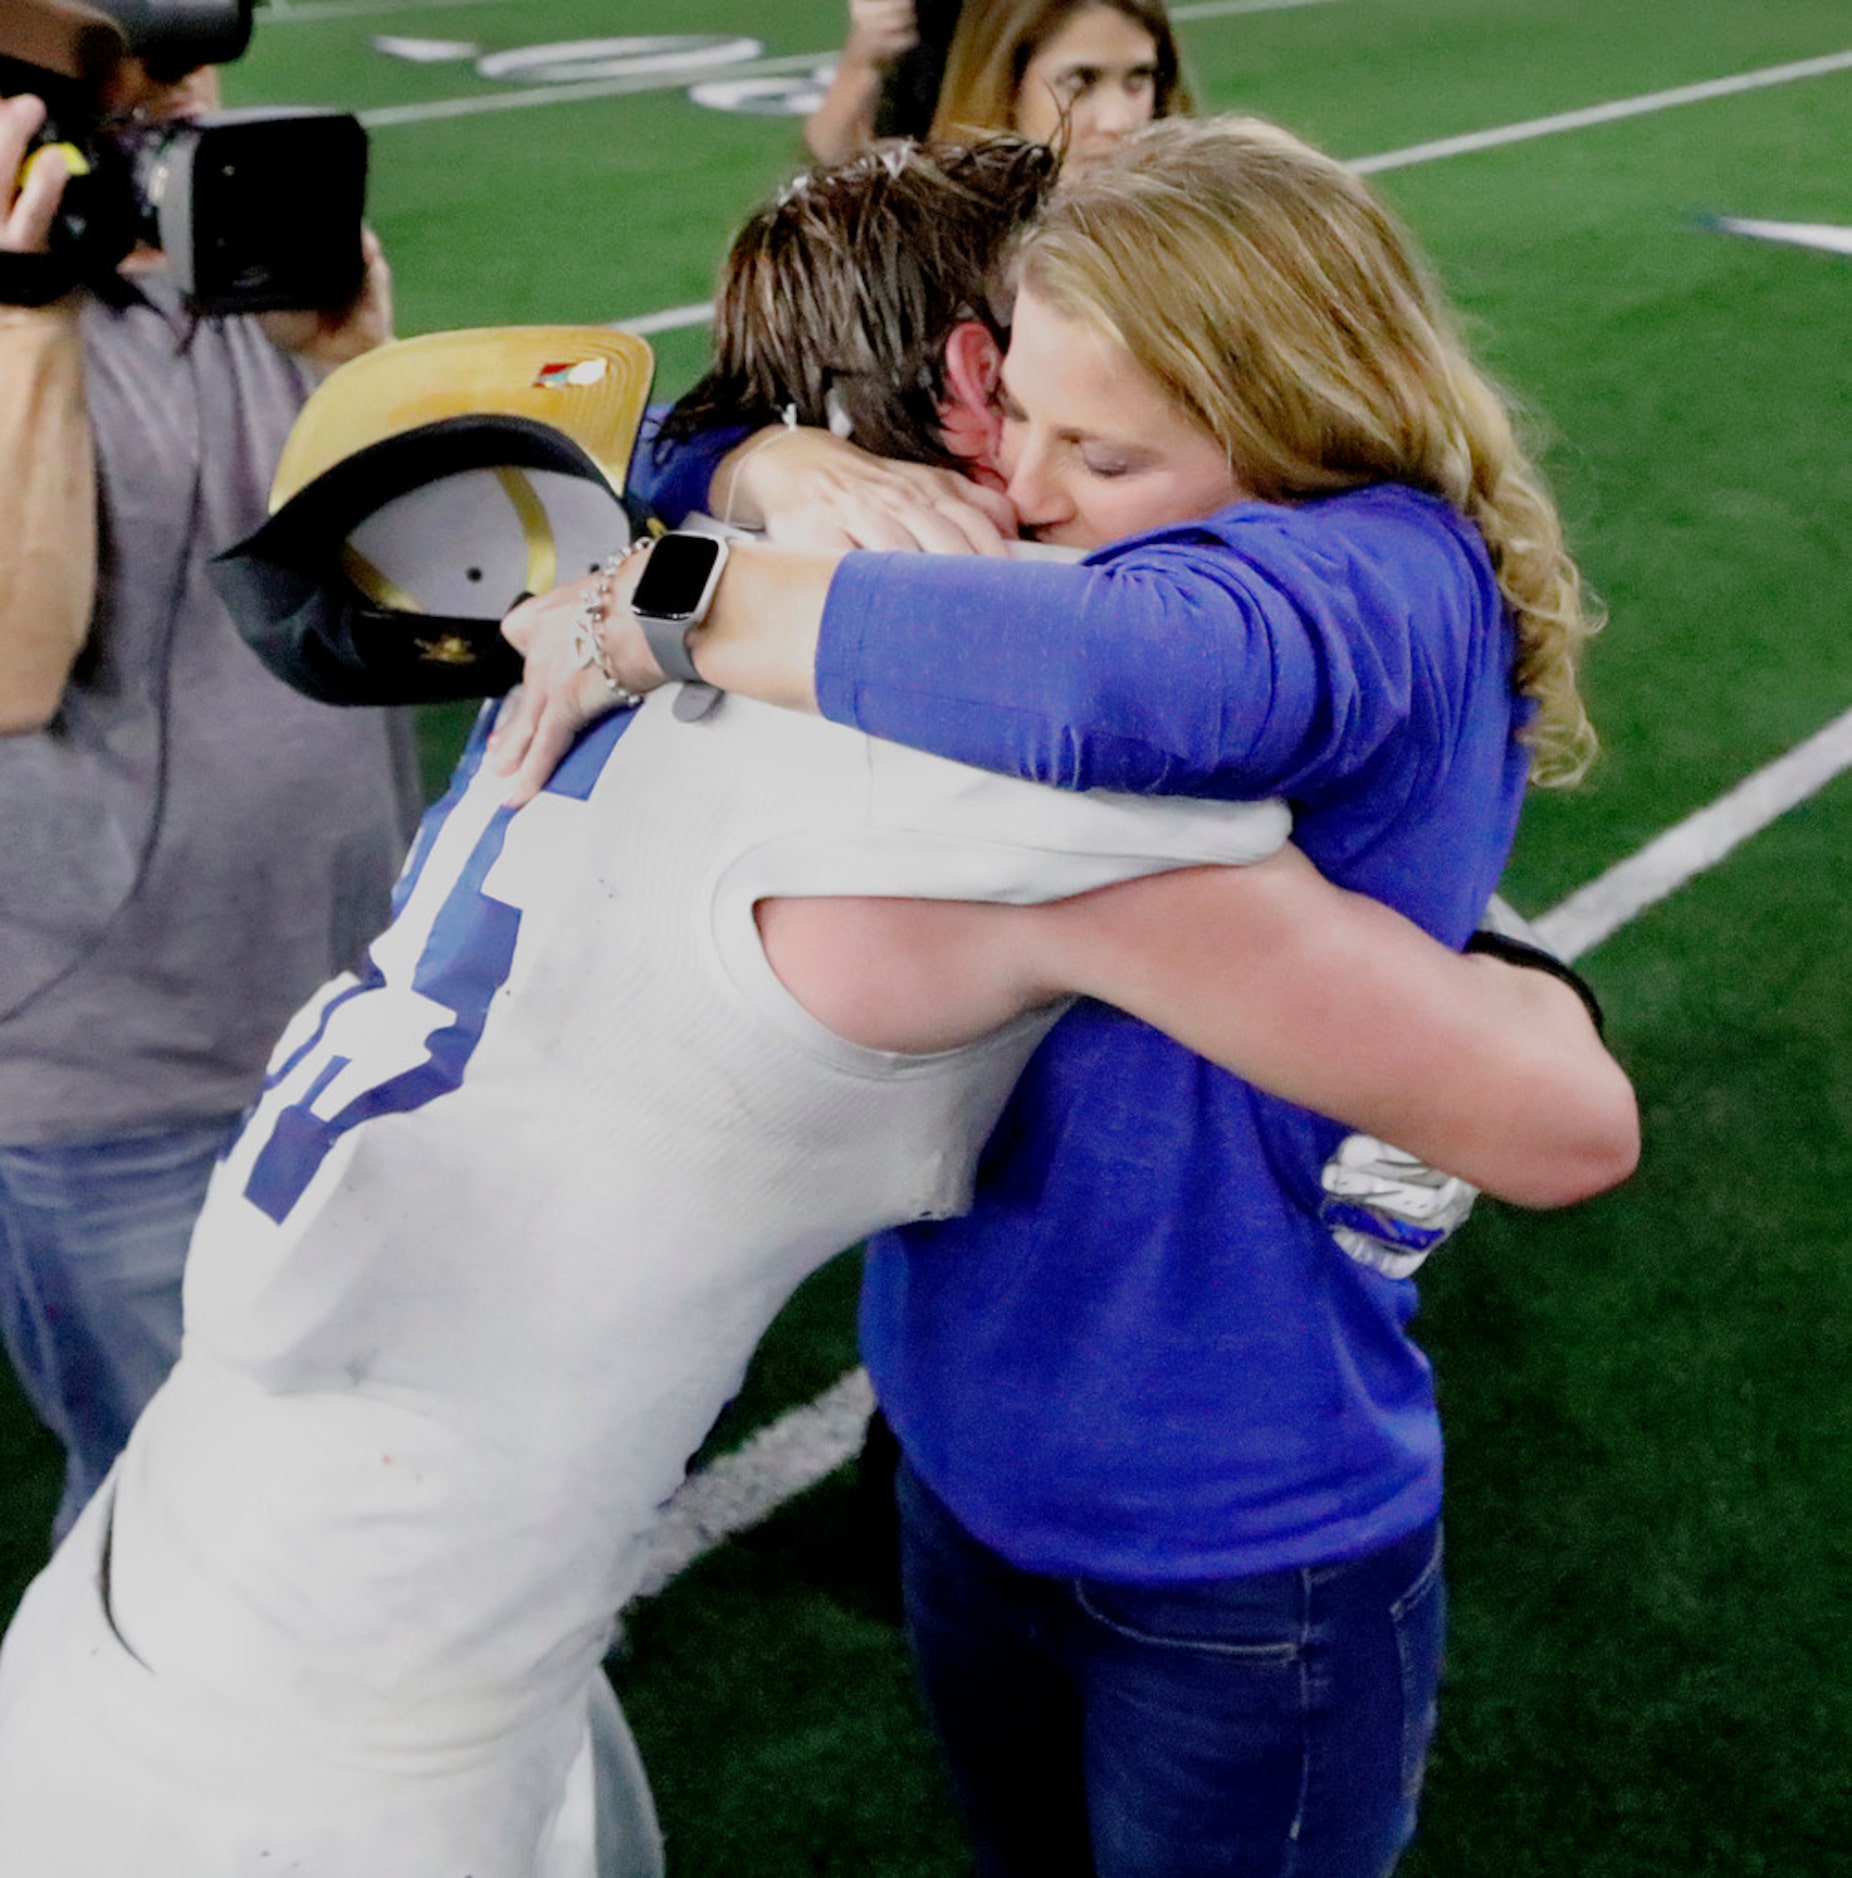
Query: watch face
point(676, 576)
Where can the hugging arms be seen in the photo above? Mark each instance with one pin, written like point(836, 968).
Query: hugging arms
point(1030, 663)
point(1139, 1401)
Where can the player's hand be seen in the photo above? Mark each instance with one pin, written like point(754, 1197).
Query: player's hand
point(559, 692)
point(1388, 1210)
point(324, 340)
point(880, 31)
point(808, 489)
point(28, 208)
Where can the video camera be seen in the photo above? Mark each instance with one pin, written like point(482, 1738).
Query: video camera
point(255, 210)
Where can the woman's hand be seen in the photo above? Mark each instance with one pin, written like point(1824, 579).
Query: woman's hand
point(559, 693)
point(880, 31)
point(808, 489)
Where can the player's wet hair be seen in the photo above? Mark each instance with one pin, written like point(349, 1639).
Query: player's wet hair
point(839, 295)
point(1273, 297)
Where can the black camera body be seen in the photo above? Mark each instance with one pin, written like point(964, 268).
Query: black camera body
point(255, 210)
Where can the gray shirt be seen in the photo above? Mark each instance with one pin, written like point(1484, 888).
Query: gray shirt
point(190, 847)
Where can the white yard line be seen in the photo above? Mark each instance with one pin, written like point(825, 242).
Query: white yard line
point(803, 1447)
point(670, 319)
point(1643, 106)
point(740, 1489)
point(387, 117)
point(1700, 841)
point(1828, 237)
point(281, 13)
point(1227, 9)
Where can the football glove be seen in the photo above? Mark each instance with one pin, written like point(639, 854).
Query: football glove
point(1388, 1210)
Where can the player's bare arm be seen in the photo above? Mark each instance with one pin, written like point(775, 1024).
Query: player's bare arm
point(1321, 996)
point(1481, 1078)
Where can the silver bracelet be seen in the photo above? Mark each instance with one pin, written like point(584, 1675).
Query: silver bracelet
point(588, 631)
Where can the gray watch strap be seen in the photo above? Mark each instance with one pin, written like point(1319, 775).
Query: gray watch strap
point(668, 646)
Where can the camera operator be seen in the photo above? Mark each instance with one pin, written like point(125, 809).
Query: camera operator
point(188, 847)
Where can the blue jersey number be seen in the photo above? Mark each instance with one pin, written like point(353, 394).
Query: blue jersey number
point(405, 1033)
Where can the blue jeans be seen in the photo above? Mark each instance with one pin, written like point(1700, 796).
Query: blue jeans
point(1265, 1727)
point(93, 1236)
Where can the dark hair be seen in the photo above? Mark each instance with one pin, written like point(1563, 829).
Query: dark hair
point(839, 295)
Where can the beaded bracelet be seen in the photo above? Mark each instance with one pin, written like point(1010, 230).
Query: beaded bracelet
point(588, 631)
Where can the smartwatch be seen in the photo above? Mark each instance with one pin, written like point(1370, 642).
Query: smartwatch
point(680, 573)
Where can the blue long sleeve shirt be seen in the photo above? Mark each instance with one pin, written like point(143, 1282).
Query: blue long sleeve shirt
point(1140, 1356)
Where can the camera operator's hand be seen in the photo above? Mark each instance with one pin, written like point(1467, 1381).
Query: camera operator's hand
point(324, 340)
point(47, 476)
point(27, 211)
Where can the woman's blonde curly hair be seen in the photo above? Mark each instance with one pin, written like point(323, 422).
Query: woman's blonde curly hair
point(1299, 326)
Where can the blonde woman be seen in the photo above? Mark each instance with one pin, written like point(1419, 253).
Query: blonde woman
point(1171, 1483)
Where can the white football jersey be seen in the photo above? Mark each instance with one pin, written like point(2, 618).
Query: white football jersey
point(520, 1199)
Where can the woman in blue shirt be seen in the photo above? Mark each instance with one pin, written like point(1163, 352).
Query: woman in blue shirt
point(1172, 1466)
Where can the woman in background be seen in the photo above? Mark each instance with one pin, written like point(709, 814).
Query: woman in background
point(1078, 73)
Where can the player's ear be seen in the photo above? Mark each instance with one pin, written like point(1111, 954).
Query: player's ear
point(968, 416)
point(973, 363)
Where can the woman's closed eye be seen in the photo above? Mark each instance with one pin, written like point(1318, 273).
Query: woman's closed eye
point(1106, 465)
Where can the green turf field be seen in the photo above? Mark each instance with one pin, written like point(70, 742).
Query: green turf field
point(1650, 1398)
